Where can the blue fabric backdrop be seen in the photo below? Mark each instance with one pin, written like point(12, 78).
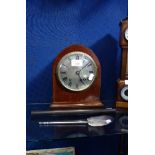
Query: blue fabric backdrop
point(54, 24)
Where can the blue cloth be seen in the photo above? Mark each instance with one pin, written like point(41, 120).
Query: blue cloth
point(55, 24)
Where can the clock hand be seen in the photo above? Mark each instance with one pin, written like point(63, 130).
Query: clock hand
point(81, 81)
point(65, 65)
point(78, 73)
point(84, 67)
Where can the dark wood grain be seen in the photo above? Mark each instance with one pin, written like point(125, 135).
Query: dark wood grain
point(66, 99)
point(124, 64)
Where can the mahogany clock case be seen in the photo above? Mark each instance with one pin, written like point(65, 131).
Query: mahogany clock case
point(66, 99)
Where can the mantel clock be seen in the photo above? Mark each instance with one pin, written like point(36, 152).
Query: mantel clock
point(76, 75)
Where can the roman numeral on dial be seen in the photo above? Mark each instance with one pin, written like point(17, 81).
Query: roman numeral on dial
point(91, 72)
point(63, 72)
point(77, 86)
point(77, 57)
point(64, 79)
point(89, 64)
point(70, 83)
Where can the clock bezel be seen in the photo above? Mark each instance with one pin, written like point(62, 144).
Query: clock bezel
point(122, 93)
point(125, 34)
point(59, 76)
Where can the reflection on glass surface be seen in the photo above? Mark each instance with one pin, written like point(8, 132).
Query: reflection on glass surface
point(36, 132)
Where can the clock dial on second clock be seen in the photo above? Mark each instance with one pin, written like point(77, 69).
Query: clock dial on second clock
point(76, 71)
point(124, 93)
point(126, 34)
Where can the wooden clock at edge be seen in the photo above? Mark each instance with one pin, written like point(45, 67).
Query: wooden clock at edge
point(122, 87)
point(76, 79)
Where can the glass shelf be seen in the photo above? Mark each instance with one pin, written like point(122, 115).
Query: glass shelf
point(37, 132)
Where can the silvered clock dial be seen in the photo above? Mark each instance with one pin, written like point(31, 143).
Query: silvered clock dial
point(126, 34)
point(76, 71)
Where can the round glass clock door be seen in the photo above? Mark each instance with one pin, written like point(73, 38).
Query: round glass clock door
point(76, 71)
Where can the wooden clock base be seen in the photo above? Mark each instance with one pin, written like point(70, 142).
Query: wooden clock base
point(81, 105)
point(120, 104)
